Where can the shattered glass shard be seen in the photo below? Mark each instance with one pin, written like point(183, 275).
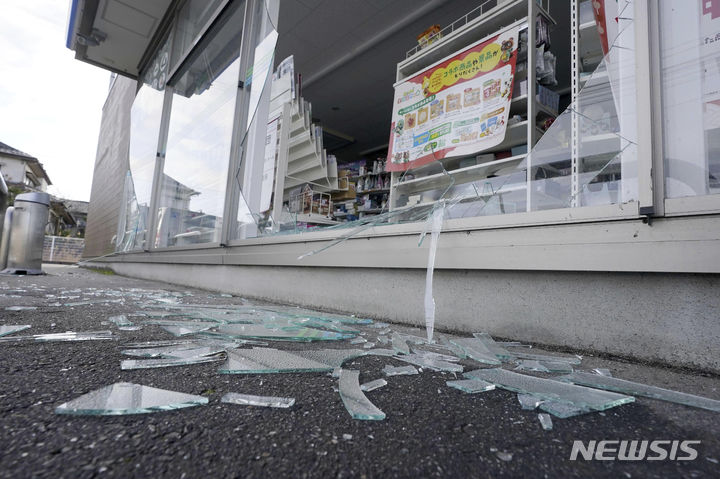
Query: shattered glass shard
point(602, 372)
point(500, 352)
point(67, 336)
point(185, 330)
point(127, 398)
point(358, 340)
point(430, 362)
point(353, 398)
point(166, 362)
point(545, 358)
point(629, 387)
point(549, 389)
point(12, 328)
point(471, 385)
point(562, 410)
point(368, 345)
point(531, 365)
point(154, 344)
point(130, 328)
point(297, 333)
point(267, 360)
point(20, 308)
point(176, 352)
point(331, 357)
point(373, 385)
point(476, 349)
point(545, 421)
point(514, 344)
point(557, 366)
point(399, 370)
point(529, 402)
point(399, 344)
point(264, 401)
point(383, 339)
point(120, 320)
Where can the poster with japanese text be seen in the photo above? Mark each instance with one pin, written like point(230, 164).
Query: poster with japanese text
point(457, 107)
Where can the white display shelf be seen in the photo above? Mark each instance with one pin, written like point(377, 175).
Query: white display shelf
point(519, 105)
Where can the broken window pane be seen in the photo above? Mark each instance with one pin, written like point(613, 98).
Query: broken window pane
point(549, 389)
point(353, 398)
point(629, 387)
point(127, 398)
point(471, 385)
point(250, 400)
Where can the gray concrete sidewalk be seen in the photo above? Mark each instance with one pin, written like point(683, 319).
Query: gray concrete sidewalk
point(430, 429)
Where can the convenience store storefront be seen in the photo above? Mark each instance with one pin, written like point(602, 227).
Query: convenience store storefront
point(605, 236)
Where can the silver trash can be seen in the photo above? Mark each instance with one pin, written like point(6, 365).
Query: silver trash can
point(27, 233)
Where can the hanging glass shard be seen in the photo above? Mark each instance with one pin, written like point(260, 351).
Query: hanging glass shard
point(500, 352)
point(399, 370)
point(281, 334)
point(267, 360)
point(353, 398)
point(629, 387)
point(263, 401)
point(185, 330)
point(399, 343)
point(67, 336)
point(430, 362)
point(471, 385)
point(529, 402)
point(562, 410)
point(12, 328)
point(545, 421)
point(166, 362)
point(373, 385)
point(475, 348)
point(128, 398)
point(549, 389)
point(120, 320)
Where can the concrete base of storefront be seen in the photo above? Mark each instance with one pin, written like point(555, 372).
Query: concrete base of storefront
point(658, 317)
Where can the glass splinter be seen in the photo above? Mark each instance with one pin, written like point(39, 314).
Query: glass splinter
point(637, 389)
point(127, 398)
point(471, 385)
point(476, 349)
point(549, 389)
point(353, 398)
point(373, 385)
point(545, 421)
point(529, 402)
point(250, 400)
point(399, 371)
point(12, 328)
point(358, 340)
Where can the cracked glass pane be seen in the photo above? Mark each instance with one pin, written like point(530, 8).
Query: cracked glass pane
point(476, 349)
point(12, 328)
point(545, 421)
point(251, 400)
point(471, 385)
point(128, 398)
point(353, 398)
point(267, 360)
point(281, 334)
point(373, 385)
point(549, 389)
point(399, 370)
point(637, 389)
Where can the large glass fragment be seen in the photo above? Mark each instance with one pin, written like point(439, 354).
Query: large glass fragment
point(431, 362)
point(267, 360)
point(471, 385)
point(373, 385)
point(353, 398)
point(549, 389)
point(436, 220)
point(166, 362)
point(177, 352)
point(399, 343)
point(399, 370)
point(67, 336)
point(128, 398)
point(264, 401)
point(637, 389)
point(296, 333)
point(476, 349)
point(12, 328)
point(331, 357)
point(545, 421)
point(500, 352)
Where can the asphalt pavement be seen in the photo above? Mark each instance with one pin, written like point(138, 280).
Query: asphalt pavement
point(431, 430)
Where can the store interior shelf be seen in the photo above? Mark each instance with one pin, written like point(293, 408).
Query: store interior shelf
point(315, 219)
point(459, 176)
point(518, 105)
point(381, 190)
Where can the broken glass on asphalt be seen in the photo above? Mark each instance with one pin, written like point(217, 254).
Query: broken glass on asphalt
point(66, 336)
point(545, 421)
point(251, 400)
point(353, 398)
point(267, 360)
point(128, 398)
point(166, 362)
point(399, 370)
point(471, 385)
point(12, 328)
point(373, 385)
point(476, 349)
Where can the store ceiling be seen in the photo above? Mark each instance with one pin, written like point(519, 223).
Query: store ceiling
point(352, 93)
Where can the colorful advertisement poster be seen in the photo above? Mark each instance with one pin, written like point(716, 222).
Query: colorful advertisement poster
point(457, 107)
